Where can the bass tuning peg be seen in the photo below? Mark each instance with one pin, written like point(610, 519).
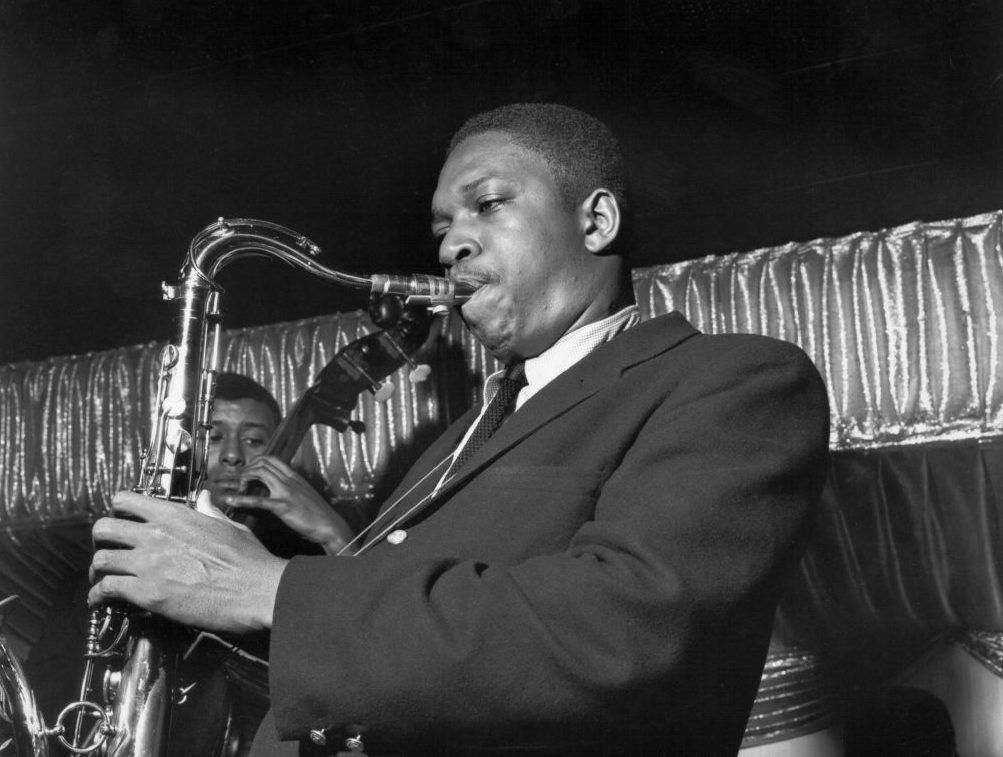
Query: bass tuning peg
point(384, 391)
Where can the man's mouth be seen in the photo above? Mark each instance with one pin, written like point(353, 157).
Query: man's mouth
point(226, 484)
point(468, 285)
point(467, 281)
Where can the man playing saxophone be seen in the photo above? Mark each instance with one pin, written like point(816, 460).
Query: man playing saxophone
point(586, 564)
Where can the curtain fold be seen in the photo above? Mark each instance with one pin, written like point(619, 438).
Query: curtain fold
point(904, 324)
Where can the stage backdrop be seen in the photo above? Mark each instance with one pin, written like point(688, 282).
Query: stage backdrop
point(904, 325)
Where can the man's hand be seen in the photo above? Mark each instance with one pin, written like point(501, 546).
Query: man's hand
point(294, 501)
point(186, 566)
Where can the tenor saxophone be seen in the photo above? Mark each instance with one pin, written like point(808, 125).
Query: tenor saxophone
point(139, 652)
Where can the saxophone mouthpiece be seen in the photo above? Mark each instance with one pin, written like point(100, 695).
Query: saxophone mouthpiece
point(423, 289)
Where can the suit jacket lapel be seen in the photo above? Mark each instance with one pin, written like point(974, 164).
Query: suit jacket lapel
point(602, 367)
point(422, 476)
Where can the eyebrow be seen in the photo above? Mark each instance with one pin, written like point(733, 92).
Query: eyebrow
point(241, 425)
point(439, 214)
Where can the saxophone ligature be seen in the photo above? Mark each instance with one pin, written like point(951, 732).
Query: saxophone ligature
point(140, 654)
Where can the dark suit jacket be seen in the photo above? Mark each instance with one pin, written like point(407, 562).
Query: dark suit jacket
point(602, 574)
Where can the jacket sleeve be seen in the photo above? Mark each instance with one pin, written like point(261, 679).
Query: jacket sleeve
point(692, 530)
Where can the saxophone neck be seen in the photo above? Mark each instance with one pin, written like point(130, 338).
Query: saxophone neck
point(226, 240)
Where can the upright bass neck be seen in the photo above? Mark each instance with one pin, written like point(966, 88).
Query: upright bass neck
point(363, 365)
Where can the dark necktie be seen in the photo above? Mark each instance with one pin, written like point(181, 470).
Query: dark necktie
point(498, 408)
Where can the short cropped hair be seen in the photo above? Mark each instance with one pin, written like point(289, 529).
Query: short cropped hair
point(236, 386)
point(582, 152)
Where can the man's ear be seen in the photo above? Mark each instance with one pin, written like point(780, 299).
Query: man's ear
point(600, 217)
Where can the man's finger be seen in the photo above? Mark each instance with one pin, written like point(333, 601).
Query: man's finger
point(265, 477)
point(125, 533)
point(140, 506)
point(279, 466)
point(112, 561)
point(273, 465)
point(113, 589)
point(262, 472)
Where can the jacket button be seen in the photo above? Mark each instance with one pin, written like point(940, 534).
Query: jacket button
point(396, 537)
point(318, 737)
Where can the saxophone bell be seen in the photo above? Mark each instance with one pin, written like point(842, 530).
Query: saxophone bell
point(25, 730)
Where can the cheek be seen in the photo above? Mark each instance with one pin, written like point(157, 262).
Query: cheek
point(491, 319)
point(507, 308)
point(490, 312)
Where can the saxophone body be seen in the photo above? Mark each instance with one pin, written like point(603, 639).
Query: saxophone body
point(140, 654)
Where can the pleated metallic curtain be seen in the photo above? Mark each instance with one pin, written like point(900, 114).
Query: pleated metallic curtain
point(72, 428)
point(904, 324)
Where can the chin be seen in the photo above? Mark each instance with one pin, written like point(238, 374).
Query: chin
point(495, 340)
point(217, 491)
point(503, 352)
point(489, 327)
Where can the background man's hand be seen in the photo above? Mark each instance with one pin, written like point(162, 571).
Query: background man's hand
point(294, 501)
point(186, 566)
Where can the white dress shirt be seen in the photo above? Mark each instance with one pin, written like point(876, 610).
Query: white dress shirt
point(556, 359)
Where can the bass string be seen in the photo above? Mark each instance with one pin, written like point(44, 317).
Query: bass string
point(388, 528)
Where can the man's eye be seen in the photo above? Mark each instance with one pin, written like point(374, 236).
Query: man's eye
point(487, 204)
point(253, 441)
point(215, 438)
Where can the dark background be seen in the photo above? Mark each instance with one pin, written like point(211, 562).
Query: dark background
point(128, 126)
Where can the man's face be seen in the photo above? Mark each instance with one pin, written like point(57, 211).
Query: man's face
point(503, 226)
point(240, 430)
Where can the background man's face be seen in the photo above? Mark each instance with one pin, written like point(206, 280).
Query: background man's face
point(503, 225)
point(240, 430)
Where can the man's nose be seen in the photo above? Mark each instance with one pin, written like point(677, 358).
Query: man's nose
point(457, 246)
point(231, 454)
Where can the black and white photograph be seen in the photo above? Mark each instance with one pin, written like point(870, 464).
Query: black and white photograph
point(492, 377)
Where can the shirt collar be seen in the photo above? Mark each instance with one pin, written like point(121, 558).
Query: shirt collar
point(565, 352)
